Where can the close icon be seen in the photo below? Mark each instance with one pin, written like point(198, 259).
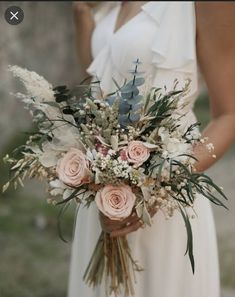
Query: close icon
point(14, 15)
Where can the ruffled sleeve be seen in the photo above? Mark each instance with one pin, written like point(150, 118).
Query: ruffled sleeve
point(174, 44)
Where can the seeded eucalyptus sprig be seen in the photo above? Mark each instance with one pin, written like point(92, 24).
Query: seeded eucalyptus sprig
point(130, 100)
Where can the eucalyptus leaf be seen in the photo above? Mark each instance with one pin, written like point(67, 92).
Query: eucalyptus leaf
point(135, 73)
point(136, 107)
point(137, 62)
point(124, 107)
point(130, 95)
point(134, 117)
point(123, 120)
point(135, 100)
point(129, 88)
point(139, 81)
point(111, 100)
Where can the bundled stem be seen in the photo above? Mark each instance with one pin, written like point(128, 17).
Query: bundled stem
point(112, 258)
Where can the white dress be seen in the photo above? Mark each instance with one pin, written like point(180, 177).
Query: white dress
point(162, 36)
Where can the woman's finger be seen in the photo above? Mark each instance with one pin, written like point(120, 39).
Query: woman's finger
point(125, 226)
point(132, 218)
point(109, 225)
point(132, 225)
point(152, 211)
point(126, 230)
point(106, 226)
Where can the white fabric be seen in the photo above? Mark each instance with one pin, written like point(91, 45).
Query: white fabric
point(162, 36)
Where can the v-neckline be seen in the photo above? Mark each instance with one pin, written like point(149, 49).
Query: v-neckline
point(118, 8)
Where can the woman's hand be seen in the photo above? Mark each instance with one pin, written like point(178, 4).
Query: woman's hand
point(122, 228)
point(84, 25)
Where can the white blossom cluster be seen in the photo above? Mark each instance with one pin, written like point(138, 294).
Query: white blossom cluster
point(166, 204)
point(172, 143)
point(112, 167)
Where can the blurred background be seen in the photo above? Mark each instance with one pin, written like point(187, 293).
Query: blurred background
point(33, 260)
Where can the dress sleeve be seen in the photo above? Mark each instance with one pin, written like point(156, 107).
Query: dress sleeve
point(174, 46)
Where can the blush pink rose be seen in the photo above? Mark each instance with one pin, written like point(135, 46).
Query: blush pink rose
point(136, 153)
point(116, 202)
point(73, 168)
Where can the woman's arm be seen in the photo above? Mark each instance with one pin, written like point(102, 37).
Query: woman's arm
point(84, 25)
point(216, 56)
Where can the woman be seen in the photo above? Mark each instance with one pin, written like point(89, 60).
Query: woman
point(171, 39)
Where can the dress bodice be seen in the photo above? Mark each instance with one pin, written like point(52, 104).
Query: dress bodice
point(161, 36)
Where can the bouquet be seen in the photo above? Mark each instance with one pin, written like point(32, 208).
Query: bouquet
point(128, 152)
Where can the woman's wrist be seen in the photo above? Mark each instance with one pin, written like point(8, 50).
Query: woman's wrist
point(204, 156)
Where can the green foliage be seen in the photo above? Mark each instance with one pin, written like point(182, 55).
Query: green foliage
point(189, 248)
point(61, 93)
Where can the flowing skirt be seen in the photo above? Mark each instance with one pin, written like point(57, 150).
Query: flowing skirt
point(159, 249)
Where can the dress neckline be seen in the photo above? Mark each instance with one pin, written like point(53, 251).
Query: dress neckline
point(118, 8)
